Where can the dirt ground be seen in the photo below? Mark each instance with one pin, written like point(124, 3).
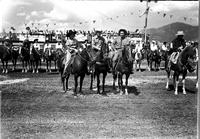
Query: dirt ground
point(38, 108)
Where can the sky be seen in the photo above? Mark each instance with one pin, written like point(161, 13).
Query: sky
point(87, 15)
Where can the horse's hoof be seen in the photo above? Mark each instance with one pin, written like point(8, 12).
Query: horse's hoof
point(121, 92)
point(126, 92)
point(175, 93)
point(184, 92)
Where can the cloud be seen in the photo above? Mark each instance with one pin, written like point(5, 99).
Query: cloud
point(172, 5)
point(34, 13)
point(21, 14)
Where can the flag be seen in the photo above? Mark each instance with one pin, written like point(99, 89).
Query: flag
point(27, 28)
point(185, 18)
point(164, 14)
point(147, 10)
point(12, 28)
point(94, 21)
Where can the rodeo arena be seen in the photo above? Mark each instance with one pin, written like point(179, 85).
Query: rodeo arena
point(97, 83)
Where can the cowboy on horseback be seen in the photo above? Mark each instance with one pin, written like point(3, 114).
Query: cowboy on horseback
point(97, 44)
point(97, 41)
point(177, 45)
point(70, 49)
point(119, 44)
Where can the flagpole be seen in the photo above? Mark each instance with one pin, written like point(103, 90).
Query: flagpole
point(145, 26)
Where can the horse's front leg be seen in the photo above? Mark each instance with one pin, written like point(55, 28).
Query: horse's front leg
point(6, 71)
point(168, 77)
point(47, 65)
point(13, 61)
point(103, 83)
point(183, 81)
point(50, 66)
point(120, 83)
point(3, 66)
point(91, 81)
point(33, 66)
point(176, 81)
point(135, 62)
point(98, 83)
point(22, 66)
point(114, 80)
point(126, 88)
point(81, 83)
point(76, 84)
point(55, 64)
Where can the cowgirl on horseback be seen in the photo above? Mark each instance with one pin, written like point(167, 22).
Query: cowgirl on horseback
point(70, 49)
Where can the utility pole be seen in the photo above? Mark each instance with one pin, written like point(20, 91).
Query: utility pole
point(146, 18)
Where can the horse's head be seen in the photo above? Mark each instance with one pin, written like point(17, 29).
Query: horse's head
point(127, 55)
point(189, 58)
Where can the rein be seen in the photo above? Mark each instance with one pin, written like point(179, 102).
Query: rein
point(83, 57)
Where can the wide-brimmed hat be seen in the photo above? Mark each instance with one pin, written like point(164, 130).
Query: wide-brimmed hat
point(98, 31)
point(71, 32)
point(35, 40)
point(153, 41)
point(180, 33)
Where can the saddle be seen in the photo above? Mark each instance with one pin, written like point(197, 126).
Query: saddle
point(174, 57)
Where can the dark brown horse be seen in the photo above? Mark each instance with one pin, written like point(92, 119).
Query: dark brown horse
point(35, 59)
point(186, 62)
point(123, 67)
point(78, 67)
point(24, 53)
point(101, 66)
point(15, 55)
point(50, 55)
point(153, 56)
point(5, 56)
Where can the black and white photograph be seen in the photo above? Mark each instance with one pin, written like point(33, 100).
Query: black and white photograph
point(112, 69)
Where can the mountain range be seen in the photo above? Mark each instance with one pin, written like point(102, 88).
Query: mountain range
point(168, 32)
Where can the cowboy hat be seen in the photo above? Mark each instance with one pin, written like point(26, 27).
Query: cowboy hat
point(98, 31)
point(180, 33)
point(71, 32)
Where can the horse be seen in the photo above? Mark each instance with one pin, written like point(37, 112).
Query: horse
point(186, 62)
point(79, 67)
point(163, 56)
point(153, 56)
point(123, 67)
point(15, 55)
point(101, 66)
point(35, 59)
point(24, 54)
point(5, 56)
point(139, 56)
point(49, 56)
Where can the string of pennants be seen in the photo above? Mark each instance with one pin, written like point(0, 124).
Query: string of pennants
point(106, 17)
